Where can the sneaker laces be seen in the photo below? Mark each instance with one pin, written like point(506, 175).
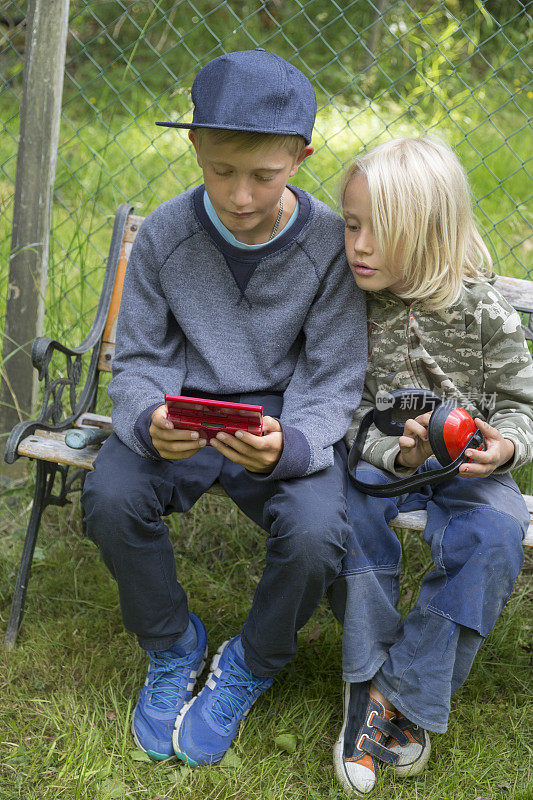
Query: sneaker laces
point(232, 697)
point(168, 676)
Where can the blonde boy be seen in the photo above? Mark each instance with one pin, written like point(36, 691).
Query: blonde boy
point(435, 324)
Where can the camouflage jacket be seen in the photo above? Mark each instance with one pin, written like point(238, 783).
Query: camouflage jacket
point(473, 353)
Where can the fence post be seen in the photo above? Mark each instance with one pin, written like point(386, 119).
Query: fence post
point(44, 62)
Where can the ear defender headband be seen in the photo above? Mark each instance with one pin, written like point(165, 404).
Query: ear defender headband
point(451, 431)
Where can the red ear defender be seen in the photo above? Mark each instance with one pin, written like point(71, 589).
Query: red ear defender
point(458, 429)
point(449, 431)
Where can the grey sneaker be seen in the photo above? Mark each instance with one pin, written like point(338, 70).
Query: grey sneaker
point(413, 751)
point(362, 742)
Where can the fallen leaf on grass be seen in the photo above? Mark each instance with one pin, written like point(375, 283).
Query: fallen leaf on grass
point(287, 742)
point(231, 760)
point(138, 755)
point(112, 788)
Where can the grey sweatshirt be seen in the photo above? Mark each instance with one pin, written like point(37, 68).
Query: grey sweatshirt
point(198, 313)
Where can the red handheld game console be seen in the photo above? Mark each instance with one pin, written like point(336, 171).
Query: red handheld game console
point(208, 417)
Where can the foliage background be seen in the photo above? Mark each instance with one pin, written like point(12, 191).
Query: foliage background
point(380, 69)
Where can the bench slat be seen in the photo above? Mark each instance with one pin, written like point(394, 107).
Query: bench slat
point(110, 330)
point(50, 446)
point(94, 421)
point(517, 291)
point(107, 350)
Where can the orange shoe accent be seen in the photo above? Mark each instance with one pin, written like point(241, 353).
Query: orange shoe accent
point(376, 735)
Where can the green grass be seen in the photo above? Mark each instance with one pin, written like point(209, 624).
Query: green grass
point(69, 688)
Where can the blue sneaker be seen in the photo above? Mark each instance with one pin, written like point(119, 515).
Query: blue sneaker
point(169, 684)
point(207, 725)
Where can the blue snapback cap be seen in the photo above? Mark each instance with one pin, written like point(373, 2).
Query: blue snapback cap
point(252, 90)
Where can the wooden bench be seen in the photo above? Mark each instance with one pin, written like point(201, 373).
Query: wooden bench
point(68, 405)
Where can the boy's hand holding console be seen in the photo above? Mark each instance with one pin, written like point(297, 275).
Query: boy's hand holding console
point(182, 426)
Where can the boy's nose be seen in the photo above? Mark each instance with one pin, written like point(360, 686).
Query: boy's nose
point(240, 194)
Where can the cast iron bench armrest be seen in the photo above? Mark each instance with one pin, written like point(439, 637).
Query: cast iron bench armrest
point(51, 416)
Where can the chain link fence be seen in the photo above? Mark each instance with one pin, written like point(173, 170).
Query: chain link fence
point(380, 69)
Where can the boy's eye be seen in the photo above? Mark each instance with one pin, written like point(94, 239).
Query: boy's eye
point(352, 227)
point(263, 178)
point(223, 174)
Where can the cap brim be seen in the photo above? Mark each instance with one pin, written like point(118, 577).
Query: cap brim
point(248, 129)
point(231, 128)
point(176, 124)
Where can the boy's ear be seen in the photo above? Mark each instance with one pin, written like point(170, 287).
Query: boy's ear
point(194, 141)
point(305, 152)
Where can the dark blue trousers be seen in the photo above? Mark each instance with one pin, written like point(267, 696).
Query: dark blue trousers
point(126, 496)
point(474, 529)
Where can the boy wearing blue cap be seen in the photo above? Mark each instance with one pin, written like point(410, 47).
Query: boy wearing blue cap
point(235, 290)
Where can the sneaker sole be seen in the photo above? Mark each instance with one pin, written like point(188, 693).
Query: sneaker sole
point(338, 752)
point(150, 753)
point(162, 756)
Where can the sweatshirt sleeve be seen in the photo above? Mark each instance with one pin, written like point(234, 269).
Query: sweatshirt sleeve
point(150, 349)
point(327, 381)
point(508, 384)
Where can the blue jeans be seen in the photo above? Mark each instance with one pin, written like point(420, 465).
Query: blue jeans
point(126, 496)
point(474, 529)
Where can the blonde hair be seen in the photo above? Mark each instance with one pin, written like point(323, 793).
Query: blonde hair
point(422, 217)
point(252, 140)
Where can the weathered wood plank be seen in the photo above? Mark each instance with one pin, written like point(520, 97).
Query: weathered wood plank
point(412, 520)
point(107, 354)
point(517, 291)
point(44, 61)
point(110, 330)
point(89, 420)
point(50, 446)
point(107, 350)
point(132, 228)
